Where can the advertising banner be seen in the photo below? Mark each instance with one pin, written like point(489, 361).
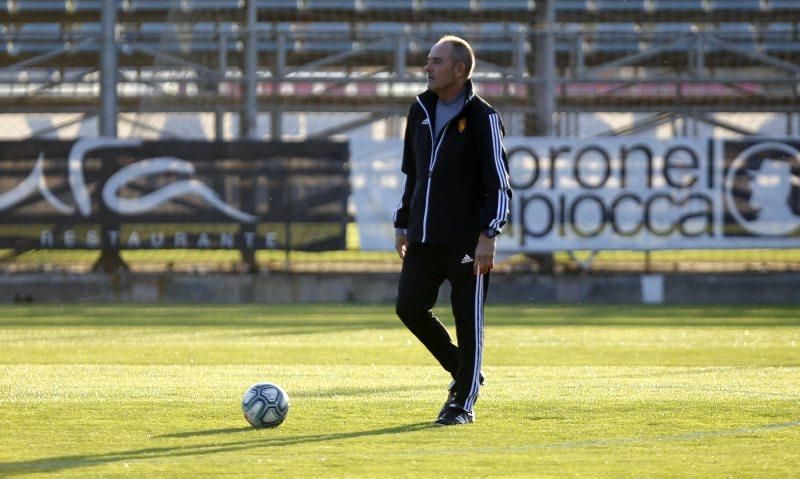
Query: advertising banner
point(103, 193)
point(630, 193)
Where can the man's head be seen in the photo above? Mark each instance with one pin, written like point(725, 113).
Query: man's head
point(449, 65)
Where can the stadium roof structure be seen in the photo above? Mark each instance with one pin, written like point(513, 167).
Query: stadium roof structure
point(688, 57)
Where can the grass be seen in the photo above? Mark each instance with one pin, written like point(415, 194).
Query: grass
point(354, 260)
point(202, 260)
point(154, 391)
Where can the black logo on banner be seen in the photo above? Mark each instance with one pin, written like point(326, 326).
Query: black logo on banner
point(762, 189)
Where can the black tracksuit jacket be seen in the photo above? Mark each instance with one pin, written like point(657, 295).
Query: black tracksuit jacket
point(457, 184)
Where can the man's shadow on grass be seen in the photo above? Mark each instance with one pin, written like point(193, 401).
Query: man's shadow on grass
point(51, 464)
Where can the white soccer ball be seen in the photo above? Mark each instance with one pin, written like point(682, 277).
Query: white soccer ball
point(265, 405)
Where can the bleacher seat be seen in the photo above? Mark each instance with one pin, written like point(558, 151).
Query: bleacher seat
point(508, 5)
point(407, 5)
point(673, 28)
point(743, 6)
point(186, 5)
point(77, 6)
point(25, 6)
point(620, 5)
point(156, 36)
point(321, 38)
point(688, 6)
point(37, 38)
point(739, 34)
point(779, 38)
point(614, 38)
point(216, 4)
point(385, 27)
point(571, 5)
point(79, 31)
point(446, 5)
point(278, 4)
point(782, 4)
point(330, 5)
point(205, 37)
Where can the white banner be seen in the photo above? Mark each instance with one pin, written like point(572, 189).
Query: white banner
point(639, 193)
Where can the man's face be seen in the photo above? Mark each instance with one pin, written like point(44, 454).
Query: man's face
point(440, 69)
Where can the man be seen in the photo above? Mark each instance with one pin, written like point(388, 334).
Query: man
point(454, 203)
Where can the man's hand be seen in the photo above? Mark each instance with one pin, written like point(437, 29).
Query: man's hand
point(484, 255)
point(401, 245)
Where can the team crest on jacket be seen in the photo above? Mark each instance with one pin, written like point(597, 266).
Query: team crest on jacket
point(462, 125)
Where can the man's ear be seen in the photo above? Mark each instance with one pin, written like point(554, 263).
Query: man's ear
point(461, 69)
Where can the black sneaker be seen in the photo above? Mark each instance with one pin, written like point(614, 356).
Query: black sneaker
point(455, 416)
point(451, 395)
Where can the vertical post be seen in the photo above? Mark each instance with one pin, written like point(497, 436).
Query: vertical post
point(545, 71)
point(222, 67)
point(248, 125)
point(108, 70)
point(576, 128)
point(542, 93)
point(288, 203)
point(401, 57)
point(579, 61)
point(699, 52)
point(219, 123)
point(573, 120)
point(276, 123)
point(109, 261)
point(276, 118)
point(520, 65)
point(391, 124)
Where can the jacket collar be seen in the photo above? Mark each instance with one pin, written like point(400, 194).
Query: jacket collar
point(429, 98)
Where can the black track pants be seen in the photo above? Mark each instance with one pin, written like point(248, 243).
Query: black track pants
point(425, 268)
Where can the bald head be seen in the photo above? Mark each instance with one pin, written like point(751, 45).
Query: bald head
point(449, 66)
point(461, 52)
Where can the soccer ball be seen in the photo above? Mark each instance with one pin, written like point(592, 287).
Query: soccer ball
point(265, 405)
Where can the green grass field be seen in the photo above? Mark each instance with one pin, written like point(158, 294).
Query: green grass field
point(612, 391)
point(354, 260)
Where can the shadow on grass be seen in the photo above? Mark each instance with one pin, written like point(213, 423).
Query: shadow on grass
point(60, 463)
point(335, 392)
point(206, 432)
point(626, 441)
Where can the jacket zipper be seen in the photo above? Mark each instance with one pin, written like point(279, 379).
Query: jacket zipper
point(428, 191)
point(434, 152)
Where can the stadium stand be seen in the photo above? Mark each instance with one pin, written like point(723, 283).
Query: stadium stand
point(198, 31)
